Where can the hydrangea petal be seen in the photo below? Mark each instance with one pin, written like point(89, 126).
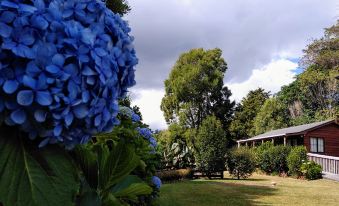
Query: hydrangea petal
point(27, 39)
point(39, 4)
point(80, 111)
point(40, 22)
point(44, 98)
point(32, 68)
point(25, 97)
point(44, 142)
point(85, 96)
point(69, 119)
point(29, 82)
point(7, 17)
point(97, 120)
point(27, 8)
point(18, 116)
point(40, 115)
point(58, 60)
point(88, 71)
point(57, 130)
point(10, 86)
point(9, 4)
point(52, 69)
point(5, 30)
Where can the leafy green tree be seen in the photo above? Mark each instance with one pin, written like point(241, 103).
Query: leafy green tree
point(271, 116)
point(313, 96)
point(243, 122)
point(297, 104)
point(323, 52)
point(320, 88)
point(211, 146)
point(319, 81)
point(195, 89)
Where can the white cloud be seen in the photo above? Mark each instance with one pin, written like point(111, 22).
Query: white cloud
point(149, 100)
point(250, 32)
point(270, 77)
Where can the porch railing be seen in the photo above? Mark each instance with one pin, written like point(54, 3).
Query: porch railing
point(329, 164)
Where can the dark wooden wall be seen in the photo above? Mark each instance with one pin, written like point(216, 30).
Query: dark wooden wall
point(330, 133)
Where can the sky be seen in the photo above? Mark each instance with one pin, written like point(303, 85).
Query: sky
point(261, 41)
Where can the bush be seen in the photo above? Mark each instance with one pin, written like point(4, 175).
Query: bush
point(211, 145)
point(279, 156)
point(295, 159)
point(173, 175)
point(263, 159)
point(272, 159)
point(311, 170)
point(241, 163)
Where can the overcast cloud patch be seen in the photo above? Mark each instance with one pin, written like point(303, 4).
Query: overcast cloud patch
point(250, 33)
point(260, 39)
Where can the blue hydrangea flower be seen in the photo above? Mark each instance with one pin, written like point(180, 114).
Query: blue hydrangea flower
point(153, 142)
point(63, 66)
point(148, 135)
point(145, 132)
point(135, 117)
point(128, 112)
point(156, 181)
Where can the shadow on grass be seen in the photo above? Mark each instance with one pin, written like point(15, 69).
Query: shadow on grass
point(209, 192)
point(248, 179)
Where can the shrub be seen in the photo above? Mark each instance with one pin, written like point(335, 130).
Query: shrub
point(279, 156)
point(272, 159)
point(263, 159)
point(241, 163)
point(173, 175)
point(211, 145)
point(311, 170)
point(295, 159)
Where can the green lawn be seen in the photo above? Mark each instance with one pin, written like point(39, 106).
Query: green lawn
point(257, 190)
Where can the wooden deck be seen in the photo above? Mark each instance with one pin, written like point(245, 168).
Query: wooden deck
point(329, 164)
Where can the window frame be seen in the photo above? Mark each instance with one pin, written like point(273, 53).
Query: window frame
point(317, 144)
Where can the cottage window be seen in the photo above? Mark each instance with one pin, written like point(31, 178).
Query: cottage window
point(317, 144)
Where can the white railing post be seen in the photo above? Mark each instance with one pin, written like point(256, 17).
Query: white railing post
point(329, 164)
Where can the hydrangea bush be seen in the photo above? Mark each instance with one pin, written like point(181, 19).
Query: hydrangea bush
point(148, 135)
point(63, 67)
point(156, 181)
point(144, 132)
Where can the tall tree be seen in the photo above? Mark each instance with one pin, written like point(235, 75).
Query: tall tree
point(243, 123)
point(319, 81)
point(195, 89)
point(272, 115)
point(320, 87)
point(297, 105)
point(314, 95)
point(323, 52)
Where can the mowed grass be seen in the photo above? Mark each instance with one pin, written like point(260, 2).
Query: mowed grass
point(257, 190)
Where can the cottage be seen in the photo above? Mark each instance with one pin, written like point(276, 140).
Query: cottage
point(321, 140)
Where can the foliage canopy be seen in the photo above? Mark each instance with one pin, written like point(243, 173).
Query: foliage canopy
point(194, 89)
